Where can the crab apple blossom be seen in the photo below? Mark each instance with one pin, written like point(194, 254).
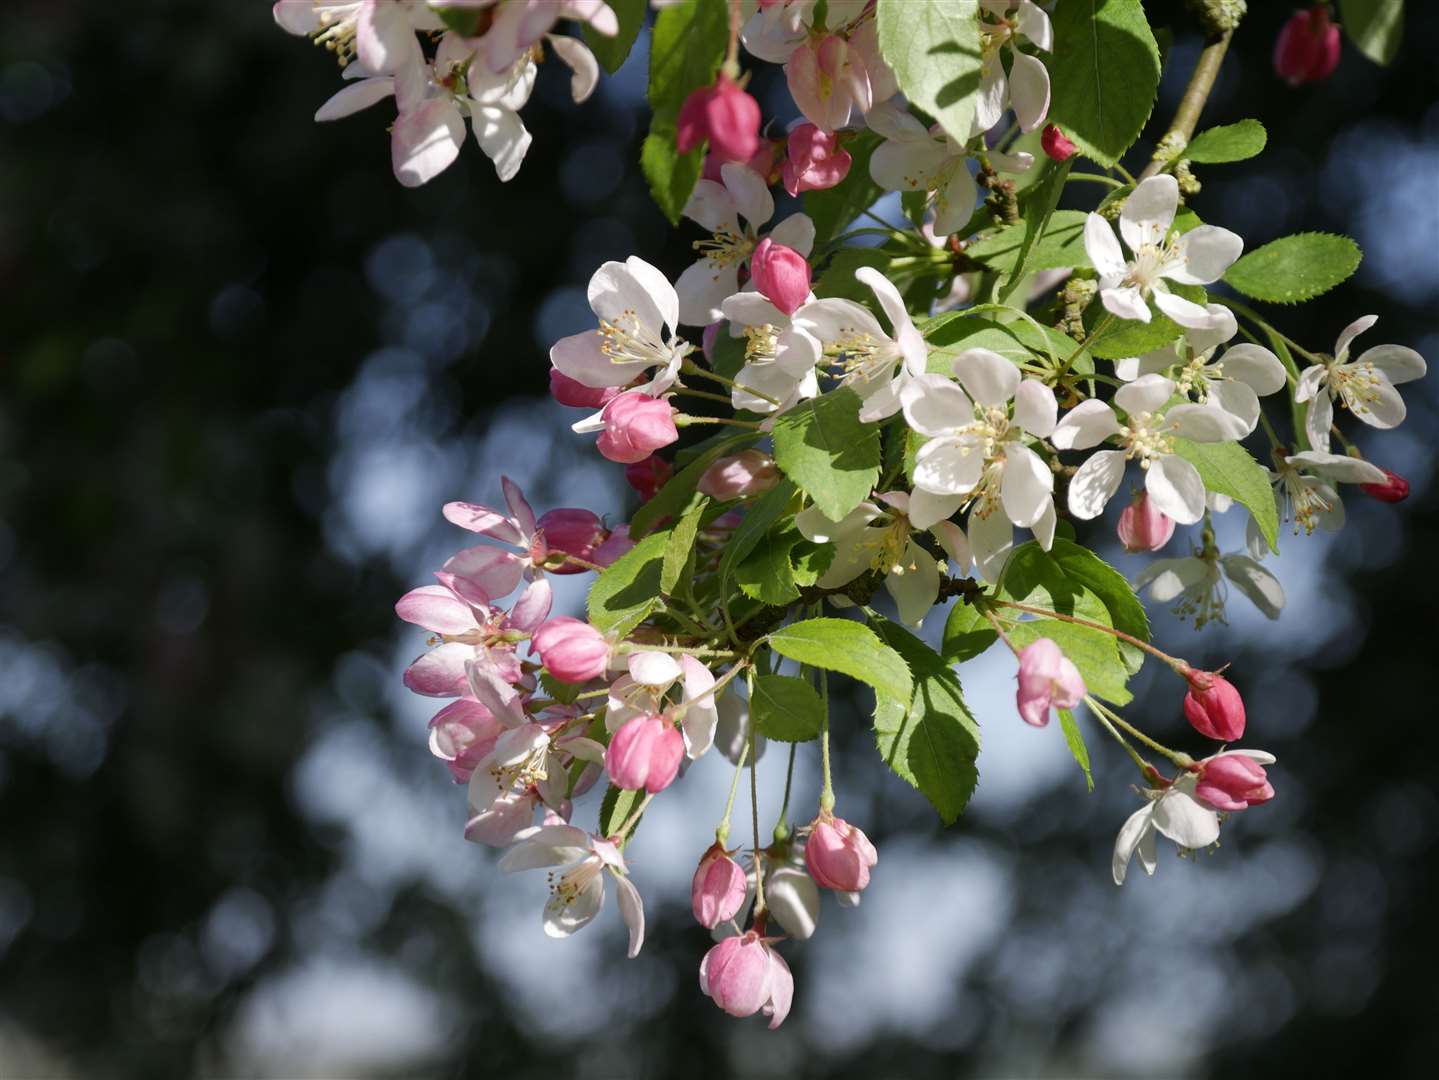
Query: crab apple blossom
point(739, 476)
point(1159, 256)
point(462, 734)
point(568, 391)
point(1047, 680)
point(815, 160)
point(1171, 811)
point(1234, 780)
point(1213, 706)
point(718, 889)
point(1392, 489)
point(645, 753)
point(838, 855)
point(1144, 527)
point(744, 975)
point(646, 689)
point(375, 36)
point(781, 274)
point(1026, 85)
point(635, 426)
point(515, 27)
point(792, 897)
point(1056, 143)
point(1198, 585)
point(779, 357)
point(572, 651)
point(570, 531)
point(722, 115)
point(1306, 491)
point(1307, 49)
point(1365, 386)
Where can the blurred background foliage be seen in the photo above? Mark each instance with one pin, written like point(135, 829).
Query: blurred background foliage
point(240, 367)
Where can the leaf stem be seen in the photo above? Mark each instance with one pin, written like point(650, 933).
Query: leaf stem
point(759, 908)
point(1175, 663)
point(722, 829)
point(826, 795)
point(1089, 339)
point(781, 825)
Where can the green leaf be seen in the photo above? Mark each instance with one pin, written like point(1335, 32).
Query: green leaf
point(1074, 738)
point(1295, 268)
point(752, 528)
point(1103, 75)
point(833, 209)
point(1375, 26)
point(1227, 469)
point(1126, 610)
point(933, 48)
point(681, 545)
point(675, 495)
point(967, 633)
point(766, 574)
point(1229, 142)
point(563, 692)
point(786, 708)
point(1039, 207)
point(462, 18)
point(851, 648)
point(821, 445)
point(1129, 337)
point(808, 562)
point(686, 48)
point(611, 52)
point(1093, 652)
point(928, 738)
point(628, 590)
point(1061, 244)
point(616, 808)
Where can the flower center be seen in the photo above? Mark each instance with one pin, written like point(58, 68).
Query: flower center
point(567, 887)
point(1357, 384)
point(860, 358)
point(1145, 439)
point(626, 340)
point(761, 344)
point(1150, 263)
point(1193, 379)
point(337, 31)
point(725, 248)
point(1303, 500)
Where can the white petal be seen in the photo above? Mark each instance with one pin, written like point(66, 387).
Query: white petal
point(914, 585)
point(563, 918)
point(882, 400)
point(1400, 364)
point(1125, 303)
point(832, 319)
point(1146, 394)
point(954, 203)
point(1135, 826)
point(908, 165)
point(1095, 484)
point(795, 231)
point(1035, 409)
point(930, 510)
point(751, 195)
point(1317, 422)
point(1176, 488)
point(581, 61)
point(1035, 25)
point(712, 207)
point(1184, 312)
point(948, 467)
point(1349, 333)
point(951, 537)
point(752, 309)
point(632, 909)
point(1341, 467)
point(356, 96)
point(989, 377)
point(1149, 212)
point(701, 289)
point(1102, 247)
point(933, 405)
point(888, 296)
point(426, 141)
point(581, 357)
point(1256, 367)
point(991, 539)
point(1169, 578)
point(1254, 581)
point(653, 668)
point(1086, 425)
point(1204, 339)
point(1239, 401)
point(1310, 380)
point(1183, 820)
point(1205, 253)
point(614, 289)
point(890, 121)
point(1210, 423)
point(1029, 90)
point(1028, 486)
point(1383, 409)
point(657, 287)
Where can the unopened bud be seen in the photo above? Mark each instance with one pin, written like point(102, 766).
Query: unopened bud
point(1213, 706)
point(1393, 490)
point(718, 889)
point(1143, 526)
point(739, 476)
point(781, 274)
point(1056, 143)
point(838, 855)
point(1307, 49)
point(725, 116)
point(1232, 782)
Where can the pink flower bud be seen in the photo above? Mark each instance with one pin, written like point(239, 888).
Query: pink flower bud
point(648, 476)
point(781, 274)
point(744, 974)
point(1307, 49)
point(615, 545)
point(838, 855)
point(725, 116)
point(718, 889)
point(636, 425)
point(1393, 490)
point(1233, 782)
point(572, 651)
point(1143, 526)
point(1047, 679)
point(1056, 143)
point(568, 391)
point(815, 160)
point(1213, 707)
point(571, 531)
point(645, 753)
point(739, 476)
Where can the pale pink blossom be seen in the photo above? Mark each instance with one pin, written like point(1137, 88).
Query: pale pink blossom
point(718, 889)
point(744, 975)
point(1047, 679)
point(572, 650)
point(815, 160)
point(1143, 526)
point(635, 426)
point(838, 855)
point(1234, 780)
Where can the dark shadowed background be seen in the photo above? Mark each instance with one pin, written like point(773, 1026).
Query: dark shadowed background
point(240, 369)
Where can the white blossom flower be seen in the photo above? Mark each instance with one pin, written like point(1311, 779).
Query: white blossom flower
point(777, 29)
point(1198, 257)
point(643, 691)
point(376, 37)
point(857, 348)
point(1147, 436)
point(1027, 85)
point(719, 207)
point(1233, 382)
point(1365, 386)
point(1310, 497)
point(780, 358)
point(976, 455)
point(577, 892)
point(1198, 584)
point(875, 537)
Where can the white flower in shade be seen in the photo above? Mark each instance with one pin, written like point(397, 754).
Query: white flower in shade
point(1365, 386)
point(1198, 257)
point(976, 455)
point(779, 27)
point(1234, 381)
point(779, 358)
point(1175, 812)
point(643, 692)
point(733, 212)
point(1198, 584)
point(878, 537)
point(1027, 85)
point(638, 313)
point(1146, 436)
point(873, 363)
point(577, 892)
point(375, 37)
point(1306, 492)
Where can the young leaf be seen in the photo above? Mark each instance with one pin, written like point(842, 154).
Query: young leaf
point(822, 446)
point(616, 808)
point(1375, 26)
point(928, 738)
point(686, 48)
point(838, 280)
point(752, 529)
point(1126, 610)
point(967, 633)
point(1295, 268)
point(1227, 469)
point(851, 648)
point(1093, 652)
point(1075, 740)
point(680, 544)
point(833, 209)
point(629, 588)
point(1061, 244)
point(1230, 142)
point(933, 49)
point(786, 708)
point(611, 52)
point(672, 176)
point(1104, 73)
point(1039, 207)
point(766, 574)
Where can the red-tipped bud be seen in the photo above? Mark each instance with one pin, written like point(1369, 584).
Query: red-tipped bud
point(765, 162)
point(649, 475)
point(1056, 143)
point(571, 531)
point(725, 116)
point(781, 274)
point(572, 651)
point(1143, 526)
point(1307, 49)
point(815, 160)
point(1213, 707)
point(1393, 490)
point(636, 425)
point(1233, 781)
